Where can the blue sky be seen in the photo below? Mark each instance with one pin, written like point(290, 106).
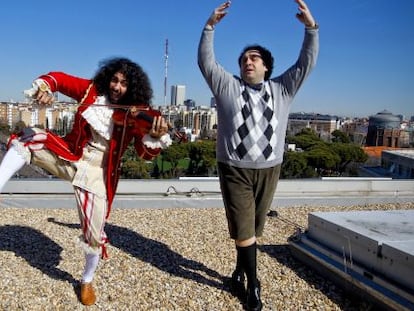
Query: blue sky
point(366, 60)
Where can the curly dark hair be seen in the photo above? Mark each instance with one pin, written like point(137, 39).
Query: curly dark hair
point(139, 89)
point(266, 57)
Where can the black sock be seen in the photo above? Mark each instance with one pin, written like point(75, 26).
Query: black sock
point(239, 265)
point(249, 263)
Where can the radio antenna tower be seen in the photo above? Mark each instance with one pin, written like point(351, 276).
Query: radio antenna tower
point(166, 71)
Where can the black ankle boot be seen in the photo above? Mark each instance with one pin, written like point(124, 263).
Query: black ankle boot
point(237, 284)
point(254, 303)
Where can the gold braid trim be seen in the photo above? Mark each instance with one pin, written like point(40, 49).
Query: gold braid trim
point(86, 93)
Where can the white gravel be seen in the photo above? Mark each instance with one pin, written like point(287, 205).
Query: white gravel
point(160, 259)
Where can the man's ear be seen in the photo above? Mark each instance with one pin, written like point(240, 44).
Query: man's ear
point(264, 65)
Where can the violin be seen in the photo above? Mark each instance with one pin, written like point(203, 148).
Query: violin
point(138, 117)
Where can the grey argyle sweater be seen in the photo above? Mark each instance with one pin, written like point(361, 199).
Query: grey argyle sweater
point(227, 90)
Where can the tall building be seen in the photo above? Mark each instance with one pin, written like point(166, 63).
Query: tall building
point(356, 129)
point(177, 95)
point(398, 163)
point(190, 104)
point(13, 115)
point(322, 124)
point(384, 130)
point(3, 113)
point(213, 103)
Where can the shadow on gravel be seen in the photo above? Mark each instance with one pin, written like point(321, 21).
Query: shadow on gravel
point(162, 257)
point(159, 255)
point(37, 249)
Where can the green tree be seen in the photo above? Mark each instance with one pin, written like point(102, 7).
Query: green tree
point(305, 139)
point(20, 125)
point(348, 153)
point(323, 159)
point(340, 137)
point(202, 158)
point(173, 154)
point(135, 169)
point(133, 166)
point(294, 165)
point(4, 127)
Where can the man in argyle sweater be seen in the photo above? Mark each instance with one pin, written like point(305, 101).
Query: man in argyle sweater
point(253, 112)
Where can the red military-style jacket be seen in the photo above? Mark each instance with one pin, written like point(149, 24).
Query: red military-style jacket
point(70, 147)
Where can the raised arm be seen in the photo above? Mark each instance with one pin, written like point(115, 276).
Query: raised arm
point(218, 14)
point(305, 15)
point(293, 78)
point(214, 74)
point(44, 86)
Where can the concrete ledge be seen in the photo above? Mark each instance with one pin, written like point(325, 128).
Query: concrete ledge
point(205, 192)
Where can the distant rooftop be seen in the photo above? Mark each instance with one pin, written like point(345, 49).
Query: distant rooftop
point(409, 153)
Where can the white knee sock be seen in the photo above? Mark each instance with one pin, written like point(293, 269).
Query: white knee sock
point(12, 162)
point(91, 264)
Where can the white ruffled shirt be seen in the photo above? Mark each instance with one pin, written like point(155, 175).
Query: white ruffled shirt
point(99, 116)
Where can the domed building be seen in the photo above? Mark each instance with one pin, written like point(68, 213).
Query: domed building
point(384, 130)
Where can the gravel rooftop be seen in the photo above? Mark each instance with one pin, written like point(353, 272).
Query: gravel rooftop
point(159, 259)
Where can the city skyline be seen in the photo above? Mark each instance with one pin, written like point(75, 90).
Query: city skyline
point(364, 65)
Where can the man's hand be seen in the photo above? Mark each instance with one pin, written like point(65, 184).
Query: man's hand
point(40, 92)
point(305, 16)
point(44, 97)
point(218, 14)
point(159, 127)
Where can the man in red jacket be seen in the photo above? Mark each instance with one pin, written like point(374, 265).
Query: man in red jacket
point(114, 109)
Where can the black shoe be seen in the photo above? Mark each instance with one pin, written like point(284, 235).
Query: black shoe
point(237, 284)
point(253, 298)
